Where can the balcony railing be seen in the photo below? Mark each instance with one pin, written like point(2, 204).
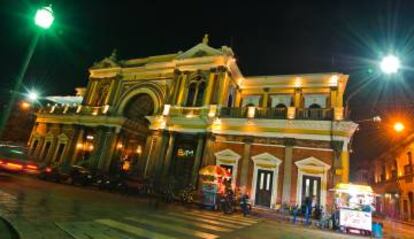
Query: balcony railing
point(188, 111)
point(314, 114)
point(277, 113)
point(75, 110)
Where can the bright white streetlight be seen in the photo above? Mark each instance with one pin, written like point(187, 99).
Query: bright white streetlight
point(390, 64)
point(33, 96)
point(44, 17)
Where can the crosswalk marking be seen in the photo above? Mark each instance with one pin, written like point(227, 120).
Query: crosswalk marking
point(173, 227)
point(206, 220)
point(91, 230)
point(202, 225)
point(168, 225)
point(132, 229)
point(236, 216)
point(224, 219)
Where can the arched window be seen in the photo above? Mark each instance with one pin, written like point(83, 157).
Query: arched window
point(191, 94)
point(280, 111)
point(196, 89)
point(281, 106)
point(230, 101)
point(314, 106)
point(200, 93)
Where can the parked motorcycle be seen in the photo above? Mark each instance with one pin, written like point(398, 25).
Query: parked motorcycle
point(245, 204)
point(227, 201)
point(187, 195)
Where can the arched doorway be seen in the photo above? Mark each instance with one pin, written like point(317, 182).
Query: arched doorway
point(132, 138)
point(138, 107)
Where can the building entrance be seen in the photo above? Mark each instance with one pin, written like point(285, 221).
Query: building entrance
point(264, 187)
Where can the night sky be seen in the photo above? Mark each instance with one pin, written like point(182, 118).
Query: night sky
point(268, 37)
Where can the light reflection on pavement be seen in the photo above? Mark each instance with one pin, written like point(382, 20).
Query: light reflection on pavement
point(43, 210)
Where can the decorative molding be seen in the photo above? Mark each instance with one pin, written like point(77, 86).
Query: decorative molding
point(313, 167)
point(266, 161)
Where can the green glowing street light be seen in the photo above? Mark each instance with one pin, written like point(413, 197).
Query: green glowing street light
point(44, 17)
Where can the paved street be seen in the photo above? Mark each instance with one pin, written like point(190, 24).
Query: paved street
point(41, 209)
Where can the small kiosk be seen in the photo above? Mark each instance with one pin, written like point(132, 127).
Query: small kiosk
point(212, 178)
point(355, 204)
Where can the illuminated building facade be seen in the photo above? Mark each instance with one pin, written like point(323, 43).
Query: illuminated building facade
point(393, 180)
point(283, 138)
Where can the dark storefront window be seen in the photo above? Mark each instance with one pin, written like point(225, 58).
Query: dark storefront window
point(183, 160)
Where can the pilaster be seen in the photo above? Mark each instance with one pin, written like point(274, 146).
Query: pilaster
point(297, 99)
point(245, 162)
point(197, 160)
point(182, 88)
point(168, 155)
point(208, 155)
point(287, 170)
point(210, 85)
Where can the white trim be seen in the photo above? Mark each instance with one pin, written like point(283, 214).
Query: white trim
point(230, 158)
point(276, 145)
point(312, 163)
point(272, 161)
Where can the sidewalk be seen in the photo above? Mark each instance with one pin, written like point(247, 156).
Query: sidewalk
point(272, 214)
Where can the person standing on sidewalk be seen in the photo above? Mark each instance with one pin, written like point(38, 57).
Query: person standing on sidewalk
point(295, 210)
point(308, 209)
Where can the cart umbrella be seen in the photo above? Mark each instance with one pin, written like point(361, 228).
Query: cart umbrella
point(214, 171)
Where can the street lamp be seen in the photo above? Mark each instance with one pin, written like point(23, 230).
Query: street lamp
point(33, 96)
point(390, 64)
point(43, 18)
point(399, 127)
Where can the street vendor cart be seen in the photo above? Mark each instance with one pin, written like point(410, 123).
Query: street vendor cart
point(212, 178)
point(355, 204)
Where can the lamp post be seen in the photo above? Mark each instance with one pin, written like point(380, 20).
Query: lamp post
point(43, 19)
point(389, 65)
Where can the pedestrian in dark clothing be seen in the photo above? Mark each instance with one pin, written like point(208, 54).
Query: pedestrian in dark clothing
point(308, 210)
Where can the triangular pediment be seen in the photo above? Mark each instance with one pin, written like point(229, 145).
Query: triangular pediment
point(227, 154)
point(266, 158)
point(312, 162)
point(200, 50)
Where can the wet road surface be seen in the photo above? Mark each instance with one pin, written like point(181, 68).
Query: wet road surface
point(40, 209)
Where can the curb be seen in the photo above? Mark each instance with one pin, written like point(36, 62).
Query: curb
point(13, 233)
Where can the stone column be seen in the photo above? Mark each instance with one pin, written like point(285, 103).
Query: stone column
point(297, 98)
point(287, 170)
point(175, 87)
point(146, 157)
point(208, 155)
point(182, 89)
point(168, 156)
point(265, 97)
point(161, 154)
point(79, 140)
point(198, 156)
point(210, 85)
point(244, 173)
point(108, 144)
point(220, 85)
point(345, 166)
point(333, 97)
